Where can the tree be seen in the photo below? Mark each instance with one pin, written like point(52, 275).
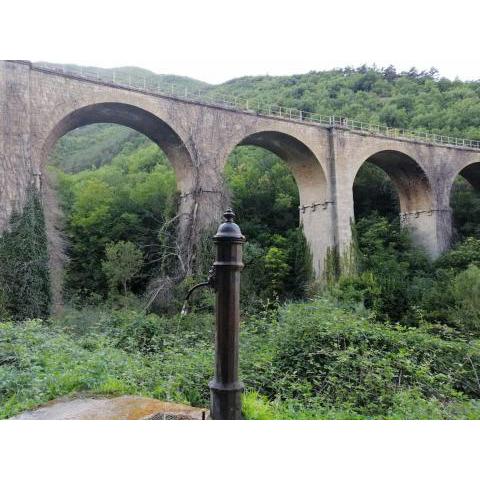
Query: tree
point(277, 270)
point(390, 73)
point(466, 291)
point(123, 263)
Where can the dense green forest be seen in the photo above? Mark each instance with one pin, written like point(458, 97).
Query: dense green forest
point(397, 338)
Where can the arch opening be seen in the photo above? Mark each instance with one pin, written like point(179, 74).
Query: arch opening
point(374, 192)
point(280, 192)
point(410, 182)
point(392, 183)
point(130, 195)
point(465, 203)
point(142, 121)
point(305, 167)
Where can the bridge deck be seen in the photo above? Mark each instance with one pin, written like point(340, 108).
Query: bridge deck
point(118, 79)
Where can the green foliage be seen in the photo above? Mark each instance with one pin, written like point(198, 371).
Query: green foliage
point(264, 193)
point(4, 311)
point(135, 331)
point(392, 267)
point(466, 293)
point(299, 257)
point(407, 405)
point(266, 197)
point(460, 257)
point(465, 203)
point(447, 297)
point(94, 146)
point(398, 284)
point(123, 262)
point(24, 269)
point(276, 269)
point(411, 99)
point(343, 360)
point(306, 360)
point(373, 191)
point(131, 199)
point(39, 363)
point(357, 291)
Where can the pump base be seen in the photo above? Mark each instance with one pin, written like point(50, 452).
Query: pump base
point(225, 400)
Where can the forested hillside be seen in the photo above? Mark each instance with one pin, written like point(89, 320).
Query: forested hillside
point(415, 100)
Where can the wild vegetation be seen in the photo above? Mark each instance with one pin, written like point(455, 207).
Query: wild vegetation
point(397, 338)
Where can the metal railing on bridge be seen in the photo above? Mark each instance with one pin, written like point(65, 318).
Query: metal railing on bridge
point(151, 85)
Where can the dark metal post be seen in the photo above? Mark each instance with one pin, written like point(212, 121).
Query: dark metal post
point(225, 387)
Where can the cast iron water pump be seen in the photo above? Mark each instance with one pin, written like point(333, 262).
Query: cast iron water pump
point(224, 277)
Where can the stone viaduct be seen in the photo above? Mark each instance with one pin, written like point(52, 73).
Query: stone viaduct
point(38, 106)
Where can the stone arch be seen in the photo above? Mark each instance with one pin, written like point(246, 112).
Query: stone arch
point(408, 177)
point(143, 121)
point(471, 174)
point(315, 210)
point(153, 127)
point(305, 167)
point(416, 197)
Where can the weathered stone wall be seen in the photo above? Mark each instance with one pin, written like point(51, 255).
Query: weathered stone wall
point(15, 144)
point(37, 108)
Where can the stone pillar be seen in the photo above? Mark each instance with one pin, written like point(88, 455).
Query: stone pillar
point(344, 217)
point(431, 230)
point(316, 221)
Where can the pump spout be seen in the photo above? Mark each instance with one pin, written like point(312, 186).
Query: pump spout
point(209, 283)
point(185, 303)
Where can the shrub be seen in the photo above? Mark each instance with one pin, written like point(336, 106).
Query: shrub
point(136, 331)
point(388, 255)
point(322, 352)
point(407, 405)
point(277, 269)
point(24, 269)
point(463, 255)
point(356, 290)
point(40, 362)
point(466, 291)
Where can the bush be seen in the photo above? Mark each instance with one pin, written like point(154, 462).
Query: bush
point(466, 292)
point(391, 268)
point(448, 295)
point(39, 363)
point(135, 331)
point(356, 291)
point(309, 360)
point(346, 361)
point(24, 266)
point(463, 255)
point(407, 405)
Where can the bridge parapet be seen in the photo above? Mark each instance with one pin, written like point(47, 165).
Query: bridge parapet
point(141, 83)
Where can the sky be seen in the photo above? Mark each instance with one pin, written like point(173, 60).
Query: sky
point(215, 41)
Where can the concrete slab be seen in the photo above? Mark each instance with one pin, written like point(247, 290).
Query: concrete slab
point(127, 407)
